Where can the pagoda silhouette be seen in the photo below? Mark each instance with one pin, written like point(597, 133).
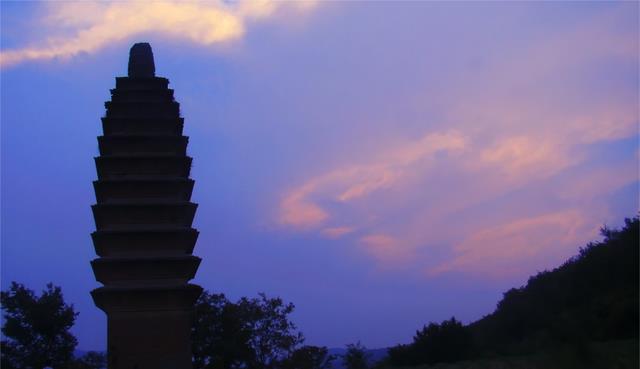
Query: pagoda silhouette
point(143, 216)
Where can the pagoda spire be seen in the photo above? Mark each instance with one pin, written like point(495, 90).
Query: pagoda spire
point(141, 63)
point(143, 216)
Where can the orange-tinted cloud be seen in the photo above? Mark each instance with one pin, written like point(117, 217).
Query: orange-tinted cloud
point(519, 246)
point(382, 247)
point(296, 210)
point(299, 209)
point(520, 156)
point(336, 232)
point(75, 27)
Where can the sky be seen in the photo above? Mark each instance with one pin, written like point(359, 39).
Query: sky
point(379, 164)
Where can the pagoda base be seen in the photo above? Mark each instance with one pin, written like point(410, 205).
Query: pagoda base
point(148, 327)
point(149, 340)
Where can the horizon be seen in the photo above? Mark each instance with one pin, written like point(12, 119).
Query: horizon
point(379, 165)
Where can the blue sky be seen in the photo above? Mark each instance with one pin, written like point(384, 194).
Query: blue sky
point(379, 164)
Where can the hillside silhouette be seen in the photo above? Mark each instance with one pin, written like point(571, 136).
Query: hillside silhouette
point(580, 307)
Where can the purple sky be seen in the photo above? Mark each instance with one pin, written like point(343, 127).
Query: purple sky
point(381, 165)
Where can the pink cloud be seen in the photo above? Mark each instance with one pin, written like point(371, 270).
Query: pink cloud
point(599, 182)
point(336, 232)
point(385, 249)
point(520, 157)
point(298, 208)
point(519, 246)
point(372, 178)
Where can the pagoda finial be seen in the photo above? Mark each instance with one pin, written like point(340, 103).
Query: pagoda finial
point(141, 63)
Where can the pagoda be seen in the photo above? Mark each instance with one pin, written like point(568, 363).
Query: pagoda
point(143, 216)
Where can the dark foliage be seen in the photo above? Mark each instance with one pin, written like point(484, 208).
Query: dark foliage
point(251, 333)
point(218, 340)
point(591, 297)
point(356, 357)
point(445, 342)
point(273, 337)
point(36, 328)
point(91, 360)
point(308, 357)
point(36, 331)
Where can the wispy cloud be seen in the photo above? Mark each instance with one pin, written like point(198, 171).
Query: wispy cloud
point(385, 248)
point(74, 27)
point(521, 244)
point(393, 166)
point(518, 157)
point(336, 232)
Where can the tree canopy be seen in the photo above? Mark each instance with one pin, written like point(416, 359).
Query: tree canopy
point(356, 356)
point(36, 328)
point(308, 357)
point(445, 342)
point(593, 296)
point(252, 333)
point(36, 331)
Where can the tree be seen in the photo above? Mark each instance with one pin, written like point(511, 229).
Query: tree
point(356, 357)
point(36, 329)
point(445, 342)
point(309, 357)
point(251, 333)
point(273, 336)
point(91, 360)
point(218, 338)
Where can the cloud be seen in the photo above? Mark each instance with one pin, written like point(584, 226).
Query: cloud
point(519, 246)
point(613, 123)
point(600, 182)
point(520, 156)
point(298, 208)
point(336, 232)
point(386, 248)
point(508, 178)
point(75, 27)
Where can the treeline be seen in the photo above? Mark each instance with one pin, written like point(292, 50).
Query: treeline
point(591, 297)
point(251, 333)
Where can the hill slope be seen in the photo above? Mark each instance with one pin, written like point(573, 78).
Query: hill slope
point(592, 297)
